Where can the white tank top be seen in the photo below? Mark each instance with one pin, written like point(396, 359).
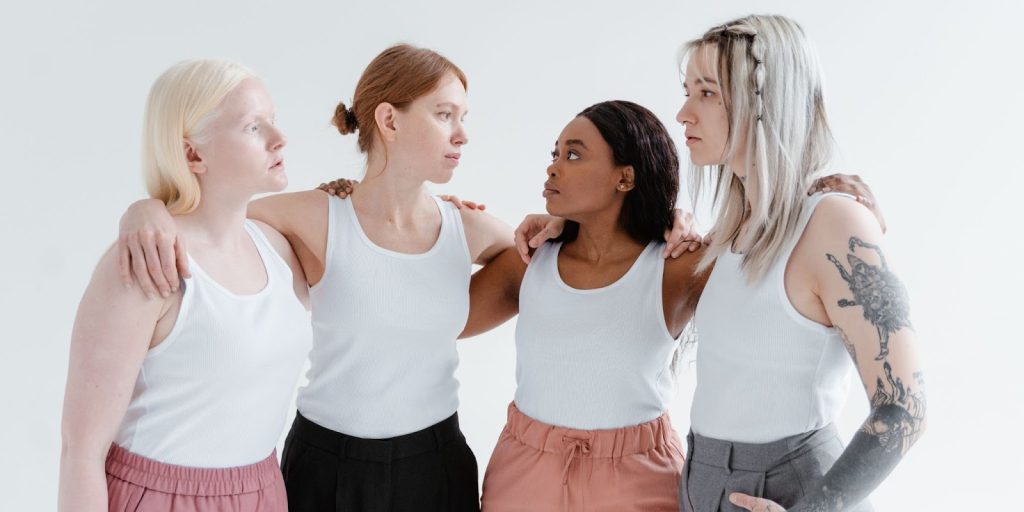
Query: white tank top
point(215, 392)
point(593, 359)
point(764, 371)
point(385, 326)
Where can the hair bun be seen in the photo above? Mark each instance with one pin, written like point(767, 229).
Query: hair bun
point(345, 119)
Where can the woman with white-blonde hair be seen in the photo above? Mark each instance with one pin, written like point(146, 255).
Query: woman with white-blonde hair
point(175, 402)
point(800, 292)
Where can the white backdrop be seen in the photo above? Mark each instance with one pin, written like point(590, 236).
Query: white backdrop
point(925, 99)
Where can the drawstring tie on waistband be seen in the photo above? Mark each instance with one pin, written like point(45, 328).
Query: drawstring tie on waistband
point(575, 447)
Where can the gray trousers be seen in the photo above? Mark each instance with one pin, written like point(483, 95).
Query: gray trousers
point(781, 471)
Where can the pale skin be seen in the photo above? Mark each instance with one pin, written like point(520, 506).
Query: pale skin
point(412, 146)
point(116, 325)
point(843, 241)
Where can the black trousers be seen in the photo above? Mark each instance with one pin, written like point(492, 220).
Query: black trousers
point(429, 470)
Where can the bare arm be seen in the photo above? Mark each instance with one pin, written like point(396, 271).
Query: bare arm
point(112, 333)
point(302, 218)
point(494, 293)
point(486, 235)
point(152, 252)
point(868, 304)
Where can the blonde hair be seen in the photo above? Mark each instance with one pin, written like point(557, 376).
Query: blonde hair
point(772, 89)
point(181, 103)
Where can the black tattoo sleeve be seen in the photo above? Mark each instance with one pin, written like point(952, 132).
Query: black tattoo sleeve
point(897, 408)
point(877, 291)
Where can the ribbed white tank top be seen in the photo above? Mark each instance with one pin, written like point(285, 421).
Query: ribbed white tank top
point(215, 392)
point(385, 326)
point(593, 359)
point(764, 371)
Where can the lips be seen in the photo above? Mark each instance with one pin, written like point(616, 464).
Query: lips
point(453, 157)
point(550, 190)
point(278, 164)
point(690, 140)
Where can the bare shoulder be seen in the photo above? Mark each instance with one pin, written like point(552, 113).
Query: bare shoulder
point(686, 264)
point(106, 287)
point(480, 222)
point(836, 219)
point(683, 273)
point(486, 234)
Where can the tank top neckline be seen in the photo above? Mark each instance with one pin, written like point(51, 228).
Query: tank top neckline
point(354, 222)
point(198, 271)
point(556, 249)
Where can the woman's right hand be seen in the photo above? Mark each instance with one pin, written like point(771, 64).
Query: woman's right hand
point(150, 249)
point(536, 229)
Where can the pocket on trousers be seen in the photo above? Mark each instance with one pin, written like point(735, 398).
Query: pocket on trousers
point(702, 488)
point(293, 452)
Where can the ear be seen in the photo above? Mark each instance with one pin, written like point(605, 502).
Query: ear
point(195, 162)
point(384, 114)
point(628, 180)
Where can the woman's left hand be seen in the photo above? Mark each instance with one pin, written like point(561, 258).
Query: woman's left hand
point(754, 504)
point(853, 185)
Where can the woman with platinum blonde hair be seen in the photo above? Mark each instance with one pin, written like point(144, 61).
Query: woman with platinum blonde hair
point(800, 292)
point(175, 402)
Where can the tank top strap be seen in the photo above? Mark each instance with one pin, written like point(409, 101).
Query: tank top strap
point(805, 218)
point(453, 232)
point(273, 262)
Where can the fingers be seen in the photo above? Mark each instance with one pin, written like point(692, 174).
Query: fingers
point(182, 256)
point(138, 260)
point(168, 263)
point(326, 188)
point(754, 504)
point(452, 199)
point(125, 261)
point(152, 254)
point(521, 246)
point(542, 236)
point(683, 237)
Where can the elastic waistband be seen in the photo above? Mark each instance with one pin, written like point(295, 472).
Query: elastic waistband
point(755, 457)
point(429, 439)
point(190, 481)
point(605, 443)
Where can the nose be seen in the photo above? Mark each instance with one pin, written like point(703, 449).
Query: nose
point(459, 136)
point(278, 140)
point(552, 170)
point(685, 114)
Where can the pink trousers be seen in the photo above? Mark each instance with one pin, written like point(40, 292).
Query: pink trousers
point(135, 483)
point(538, 467)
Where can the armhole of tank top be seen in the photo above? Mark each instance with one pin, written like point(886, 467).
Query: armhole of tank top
point(458, 229)
point(268, 252)
point(333, 210)
point(659, 293)
point(779, 279)
point(187, 292)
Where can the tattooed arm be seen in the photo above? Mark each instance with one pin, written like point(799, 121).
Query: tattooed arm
point(865, 300)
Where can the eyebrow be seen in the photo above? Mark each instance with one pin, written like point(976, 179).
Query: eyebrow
point(449, 104)
point(576, 142)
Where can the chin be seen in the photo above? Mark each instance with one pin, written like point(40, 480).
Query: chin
point(278, 183)
point(442, 177)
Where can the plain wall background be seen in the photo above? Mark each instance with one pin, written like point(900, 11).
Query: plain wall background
point(924, 98)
